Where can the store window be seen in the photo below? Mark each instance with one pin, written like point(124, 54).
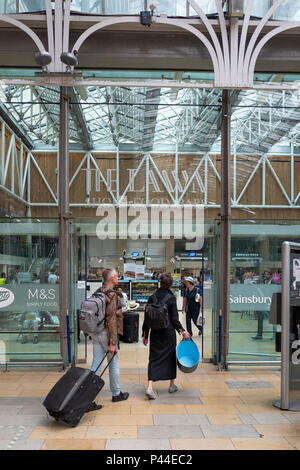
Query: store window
point(255, 275)
point(29, 290)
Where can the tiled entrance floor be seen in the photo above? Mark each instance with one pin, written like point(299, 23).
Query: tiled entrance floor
point(212, 410)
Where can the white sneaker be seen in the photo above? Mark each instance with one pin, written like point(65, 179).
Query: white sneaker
point(173, 389)
point(151, 394)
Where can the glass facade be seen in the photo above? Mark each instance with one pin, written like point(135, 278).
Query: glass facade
point(29, 300)
point(150, 147)
point(288, 11)
point(255, 276)
point(92, 255)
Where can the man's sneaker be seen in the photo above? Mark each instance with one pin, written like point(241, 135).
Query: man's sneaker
point(173, 389)
point(121, 397)
point(151, 394)
point(257, 337)
point(93, 407)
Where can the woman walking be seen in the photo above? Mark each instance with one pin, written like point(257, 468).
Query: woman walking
point(162, 358)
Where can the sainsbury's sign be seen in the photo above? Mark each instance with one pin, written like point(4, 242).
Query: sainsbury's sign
point(253, 297)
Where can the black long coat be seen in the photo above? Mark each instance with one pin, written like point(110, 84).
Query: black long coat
point(162, 357)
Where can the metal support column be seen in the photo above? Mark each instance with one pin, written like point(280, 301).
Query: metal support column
point(64, 222)
point(225, 223)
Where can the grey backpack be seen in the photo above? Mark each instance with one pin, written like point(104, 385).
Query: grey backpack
point(92, 313)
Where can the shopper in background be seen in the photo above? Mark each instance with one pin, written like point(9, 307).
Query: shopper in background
point(3, 279)
point(248, 277)
point(108, 339)
point(52, 278)
point(162, 358)
point(124, 300)
point(192, 304)
point(261, 315)
point(35, 279)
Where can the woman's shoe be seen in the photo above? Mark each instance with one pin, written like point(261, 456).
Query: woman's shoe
point(173, 389)
point(151, 394)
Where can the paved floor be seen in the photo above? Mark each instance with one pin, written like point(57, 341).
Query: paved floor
point(211, 410)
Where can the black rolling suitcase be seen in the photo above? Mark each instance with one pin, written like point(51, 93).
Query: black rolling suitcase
point(130, 327)
point(70, 397)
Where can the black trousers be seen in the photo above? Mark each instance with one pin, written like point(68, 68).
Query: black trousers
point(260, 323)
point(189, 317)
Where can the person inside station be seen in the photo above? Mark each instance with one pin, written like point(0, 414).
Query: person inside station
point(192, 305)
point(30, 322)
point(2, 279)
point(261, 315)
point(35, 278)
point(52, 278)
point(124, 299)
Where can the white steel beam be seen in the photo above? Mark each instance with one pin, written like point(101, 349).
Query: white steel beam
point(43, 178)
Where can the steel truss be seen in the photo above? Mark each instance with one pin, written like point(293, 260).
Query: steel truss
point(17, 161)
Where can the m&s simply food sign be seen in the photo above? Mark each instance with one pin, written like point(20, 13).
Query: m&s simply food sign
point(26, 297)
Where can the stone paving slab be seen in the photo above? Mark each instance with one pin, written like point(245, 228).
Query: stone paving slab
point(247, 418)
point(182, 397)
point(271, 418)
point(10, 410)
point(4, 443)
point(33, 444)
point(187, 392)
point(231, 431)
point(11, 432)
point(138, 444)
point(24, 420)
point(134, 388)
point(293, 418)
point(20, 401)
point(181, 420)
point(167, 432)
point(251, 385)
point(32, 410)
point(178, 400)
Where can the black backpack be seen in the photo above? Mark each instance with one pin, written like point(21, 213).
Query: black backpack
point(156, 314)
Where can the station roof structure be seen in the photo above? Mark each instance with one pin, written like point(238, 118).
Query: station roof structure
point(145, 119)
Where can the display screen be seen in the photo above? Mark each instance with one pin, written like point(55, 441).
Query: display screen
point(295, 278)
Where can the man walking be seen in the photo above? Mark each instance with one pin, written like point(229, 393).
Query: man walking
point(108, 339)
point(261, 315)
point(192, 305)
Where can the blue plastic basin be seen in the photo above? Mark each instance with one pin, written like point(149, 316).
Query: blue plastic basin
point(187, 356)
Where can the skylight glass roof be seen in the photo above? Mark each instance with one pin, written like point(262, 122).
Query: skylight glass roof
point(152, 119)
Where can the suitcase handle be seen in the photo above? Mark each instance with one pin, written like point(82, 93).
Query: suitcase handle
point(107, 363)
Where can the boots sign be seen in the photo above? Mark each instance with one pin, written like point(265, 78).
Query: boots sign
point(26, 297)
point(6, 297)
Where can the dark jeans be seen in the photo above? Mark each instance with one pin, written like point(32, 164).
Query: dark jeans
point(260, 323)
point(189, 317)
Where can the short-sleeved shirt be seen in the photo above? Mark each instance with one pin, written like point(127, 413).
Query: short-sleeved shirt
point(191, 305)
